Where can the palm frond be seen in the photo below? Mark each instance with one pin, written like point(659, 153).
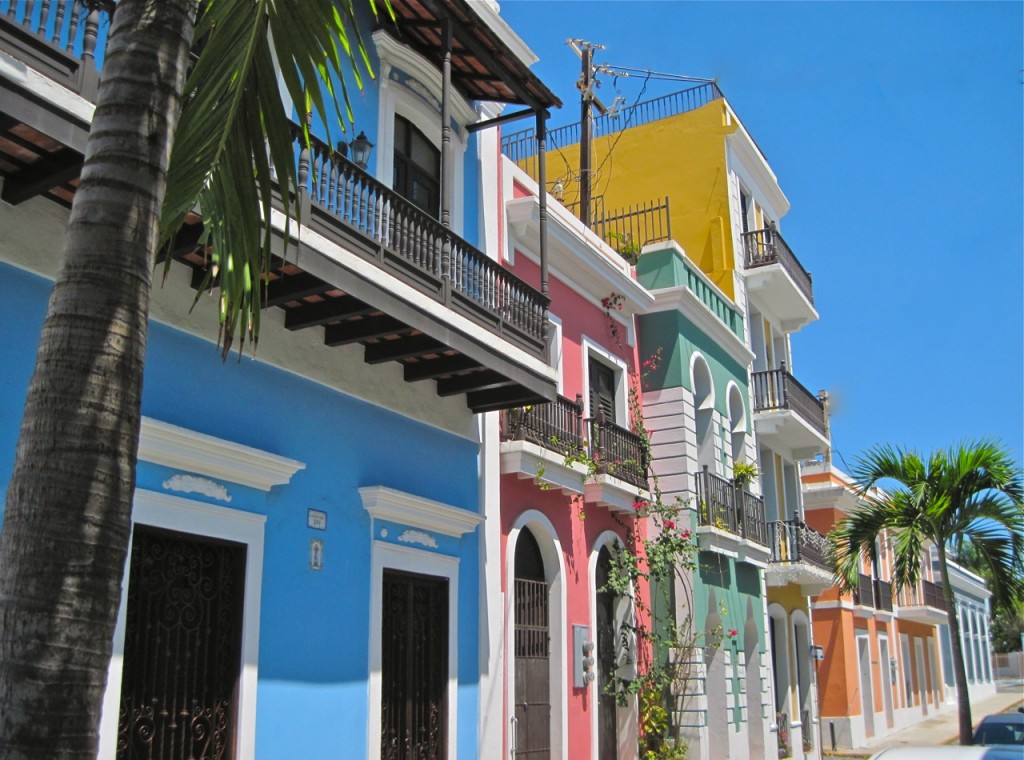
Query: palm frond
point(234, 152)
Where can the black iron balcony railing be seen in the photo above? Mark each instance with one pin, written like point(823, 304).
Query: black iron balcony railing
point(927, 594)
point(521, 146)
point(864, 594)
point(557, 426)
point(629, 229)
point(618, 452)
point(793, 541)
point(722, 505)
point(392, 224)
point(764, 247)
point(777, 389)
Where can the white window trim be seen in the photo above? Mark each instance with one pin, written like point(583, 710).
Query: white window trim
point(204, 520)
point(554, 573)
point(593, 349)
point(396, 99)
point(393, 557)
point(557, 354)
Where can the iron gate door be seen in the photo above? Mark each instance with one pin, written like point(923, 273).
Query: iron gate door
point(533, 692)
point(182, 647)
point(414, 667)
point(607, 744)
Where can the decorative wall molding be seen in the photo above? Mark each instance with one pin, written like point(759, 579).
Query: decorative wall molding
point(183, 449)
point(399, 507)
point(418, 537)
point(193, 484)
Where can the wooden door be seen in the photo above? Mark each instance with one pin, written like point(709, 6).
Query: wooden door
point(532, 739)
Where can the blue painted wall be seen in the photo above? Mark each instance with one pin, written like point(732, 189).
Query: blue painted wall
point(314, 634)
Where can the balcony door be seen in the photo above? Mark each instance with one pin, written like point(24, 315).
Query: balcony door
point(417, 168)
point(602, 391)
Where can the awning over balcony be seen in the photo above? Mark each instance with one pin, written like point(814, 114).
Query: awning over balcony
point(484, 67)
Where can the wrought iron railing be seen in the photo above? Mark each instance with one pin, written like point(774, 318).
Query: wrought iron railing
point(777, 389)
point(864, 594)
point(522, 146)
point(767, 246)
point(628, 230)
point(618, 452)
point(925, 594)
point(557, 426)
point(793, 541)
point(724, 506)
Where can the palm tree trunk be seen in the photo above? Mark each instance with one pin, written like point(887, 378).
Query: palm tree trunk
point(963, 698)
point(68, 512)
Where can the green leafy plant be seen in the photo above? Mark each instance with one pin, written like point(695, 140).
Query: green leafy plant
point(744, 473)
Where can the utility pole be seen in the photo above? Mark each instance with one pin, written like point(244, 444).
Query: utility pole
point(586, 85)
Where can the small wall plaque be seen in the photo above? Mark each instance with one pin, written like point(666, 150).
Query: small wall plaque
point(316, 519)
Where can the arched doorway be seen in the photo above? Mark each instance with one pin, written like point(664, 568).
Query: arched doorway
point(532, 641)
point(607, 744)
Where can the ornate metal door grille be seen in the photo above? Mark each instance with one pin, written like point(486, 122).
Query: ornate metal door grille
point(607, 744)
point(532, 726)
point(182, 647)
point(414, 666)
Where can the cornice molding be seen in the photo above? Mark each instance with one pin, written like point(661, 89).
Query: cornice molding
point(182, 449)
point(406, 509)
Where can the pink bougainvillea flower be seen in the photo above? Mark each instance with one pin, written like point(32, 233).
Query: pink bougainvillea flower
point(639, 504)
point(670, 525)
point(732, 631)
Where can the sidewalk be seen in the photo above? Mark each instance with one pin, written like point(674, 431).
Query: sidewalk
point(942, 728)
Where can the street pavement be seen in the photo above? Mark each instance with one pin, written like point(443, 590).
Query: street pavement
point(942, 728)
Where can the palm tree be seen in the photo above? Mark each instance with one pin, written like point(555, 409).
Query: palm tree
point(68, 511)
point(971, 491)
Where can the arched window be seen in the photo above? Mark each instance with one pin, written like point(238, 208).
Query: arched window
point(703, 406)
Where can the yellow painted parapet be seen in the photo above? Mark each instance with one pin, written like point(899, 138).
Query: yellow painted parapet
point(682, 157)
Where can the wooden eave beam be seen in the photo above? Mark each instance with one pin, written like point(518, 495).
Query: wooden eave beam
point(357, 330)
point(505, 397)
point(329, 310)
point(472, 381)
point(35, 179)
point(294, 287)
point(435, 368)
point(403, 348)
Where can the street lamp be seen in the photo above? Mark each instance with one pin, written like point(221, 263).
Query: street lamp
point(361, 147)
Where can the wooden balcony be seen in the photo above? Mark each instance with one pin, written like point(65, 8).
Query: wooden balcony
point(371, 269)
point(923, 603)
point(787, 415)
point(776, 276)
point(721, 505)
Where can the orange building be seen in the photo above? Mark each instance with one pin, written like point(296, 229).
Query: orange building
point(882, 667)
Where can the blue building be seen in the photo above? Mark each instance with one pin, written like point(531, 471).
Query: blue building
point(305, 572)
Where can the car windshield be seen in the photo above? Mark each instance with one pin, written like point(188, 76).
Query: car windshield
point(1000, 733)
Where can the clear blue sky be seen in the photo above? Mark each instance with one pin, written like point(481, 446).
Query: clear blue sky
point(895, 130)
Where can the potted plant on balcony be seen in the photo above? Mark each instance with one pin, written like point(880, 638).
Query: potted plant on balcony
point(743, 474)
